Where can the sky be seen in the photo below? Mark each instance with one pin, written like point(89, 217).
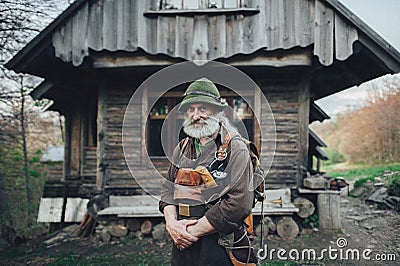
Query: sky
point(383, 16)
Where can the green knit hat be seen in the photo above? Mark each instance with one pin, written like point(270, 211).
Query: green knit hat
point(202, 91)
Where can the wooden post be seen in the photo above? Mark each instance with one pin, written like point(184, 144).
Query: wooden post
point(145, 99)
point(304, 113)
point(67, 147)
point(329, 211)
point(257, 114)
point(84, 132)
point(74, 140)
point(101, 136)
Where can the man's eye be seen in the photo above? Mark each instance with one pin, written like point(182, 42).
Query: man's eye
point(190, 109)
point(203, 108)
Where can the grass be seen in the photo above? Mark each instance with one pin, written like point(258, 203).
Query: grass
point(361, 181)
point(368, 172)
point(277, 263)
point(111, 259)
point(13, 252)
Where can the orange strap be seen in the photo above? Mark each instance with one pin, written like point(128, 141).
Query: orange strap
point(223, 149)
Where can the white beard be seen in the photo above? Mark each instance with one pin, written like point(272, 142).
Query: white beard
point(201, 128)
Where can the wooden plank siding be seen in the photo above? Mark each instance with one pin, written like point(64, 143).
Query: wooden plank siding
point(116, 101)
point(120, 25)
point(284, 102)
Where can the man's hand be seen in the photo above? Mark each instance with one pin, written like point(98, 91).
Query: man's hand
point(178, 229)
point(201, 228)
point(179, 234)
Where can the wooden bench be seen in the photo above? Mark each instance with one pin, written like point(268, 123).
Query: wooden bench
point(133, 206)
point(147, 205)
point(286, 208)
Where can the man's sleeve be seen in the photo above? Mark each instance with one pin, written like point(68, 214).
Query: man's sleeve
point(167, 189)
point(229, 213)
point(167, 185)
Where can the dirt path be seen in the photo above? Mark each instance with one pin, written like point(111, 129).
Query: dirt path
point(365, 227)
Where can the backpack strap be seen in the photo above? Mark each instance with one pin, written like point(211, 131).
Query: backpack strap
point(182, 149)
point(222, 151)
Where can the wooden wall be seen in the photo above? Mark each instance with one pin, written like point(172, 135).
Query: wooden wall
point(114, 172)
point(288, 101)
point(80, 122)
point(288, 160)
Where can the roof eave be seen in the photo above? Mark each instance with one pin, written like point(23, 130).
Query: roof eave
point(21, 60)
point(370, 38)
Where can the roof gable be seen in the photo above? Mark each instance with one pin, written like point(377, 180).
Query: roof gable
point(120, 25)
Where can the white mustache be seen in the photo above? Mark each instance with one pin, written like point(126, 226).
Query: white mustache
point(203, 127)
point(203, 120)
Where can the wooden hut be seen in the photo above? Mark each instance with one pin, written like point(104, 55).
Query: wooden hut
point(96, 53)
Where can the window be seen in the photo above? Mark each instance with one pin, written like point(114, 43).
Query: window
point(201, 4)
point(240, 115)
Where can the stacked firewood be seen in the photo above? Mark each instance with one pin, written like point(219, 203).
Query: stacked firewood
point(109, 230)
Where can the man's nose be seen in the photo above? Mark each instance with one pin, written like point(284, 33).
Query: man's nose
point(196, 114)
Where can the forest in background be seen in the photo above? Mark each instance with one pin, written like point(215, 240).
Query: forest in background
point(370, 134)
point(26, 130)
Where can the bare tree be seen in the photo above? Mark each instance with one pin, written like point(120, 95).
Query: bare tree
point(20, 21)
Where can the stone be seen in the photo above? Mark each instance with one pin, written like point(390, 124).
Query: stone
point(378, 195)
point(100, 227)
point(105, 235)
point(139, 235)
point(392, 202)
point(357, 218)
point(358, 192)
point(159, 232)
point(367, 225)
point(315, 182)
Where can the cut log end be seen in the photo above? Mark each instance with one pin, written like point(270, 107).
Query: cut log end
point(306, 207)
point(287, 228)
point(146, 227)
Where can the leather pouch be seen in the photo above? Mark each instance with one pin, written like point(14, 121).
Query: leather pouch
point(187, 177)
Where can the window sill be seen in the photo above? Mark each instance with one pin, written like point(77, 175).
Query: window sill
point(245, 11)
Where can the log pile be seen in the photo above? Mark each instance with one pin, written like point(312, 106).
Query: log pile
point(117, 229)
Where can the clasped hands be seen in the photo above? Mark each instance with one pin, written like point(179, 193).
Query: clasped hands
point(182, 233)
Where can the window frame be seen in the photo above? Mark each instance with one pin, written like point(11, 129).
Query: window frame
point(203, 10)
point(173, 98)
point(202, 4)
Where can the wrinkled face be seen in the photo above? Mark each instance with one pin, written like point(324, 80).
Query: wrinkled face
point(198, 111)
point(201, 120)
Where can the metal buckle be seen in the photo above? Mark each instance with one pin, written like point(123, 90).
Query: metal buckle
point(221, 154)
point(184, 209)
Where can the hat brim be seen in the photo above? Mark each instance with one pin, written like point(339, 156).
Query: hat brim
point(201, 99)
